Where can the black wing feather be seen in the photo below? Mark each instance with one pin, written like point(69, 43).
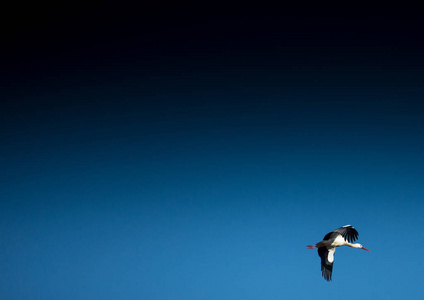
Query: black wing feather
point(348, 232)
point(326, 266)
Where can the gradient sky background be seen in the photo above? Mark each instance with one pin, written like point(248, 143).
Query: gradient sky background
point(165, 154)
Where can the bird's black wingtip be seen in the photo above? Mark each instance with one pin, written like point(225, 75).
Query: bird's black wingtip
point(327, 277)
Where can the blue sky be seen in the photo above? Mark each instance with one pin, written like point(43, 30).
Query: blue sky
point(167, 175)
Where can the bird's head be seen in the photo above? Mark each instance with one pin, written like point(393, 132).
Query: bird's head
point(359, 246)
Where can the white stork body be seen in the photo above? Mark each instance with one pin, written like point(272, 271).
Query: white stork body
point(327, 247)
point(337, 241)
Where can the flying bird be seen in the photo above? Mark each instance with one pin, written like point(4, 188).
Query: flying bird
point(343, 236)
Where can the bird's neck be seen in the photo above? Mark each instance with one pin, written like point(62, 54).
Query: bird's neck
point(353, 245)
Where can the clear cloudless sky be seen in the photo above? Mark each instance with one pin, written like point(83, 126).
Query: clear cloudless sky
point(193, 152)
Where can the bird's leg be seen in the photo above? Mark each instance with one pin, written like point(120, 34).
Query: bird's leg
point(317, 245)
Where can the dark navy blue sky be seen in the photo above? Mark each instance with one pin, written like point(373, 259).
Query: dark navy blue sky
point(165, 154)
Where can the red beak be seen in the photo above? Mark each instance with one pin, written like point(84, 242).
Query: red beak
point(366, 249)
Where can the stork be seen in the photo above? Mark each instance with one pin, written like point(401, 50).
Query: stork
point(343, 236)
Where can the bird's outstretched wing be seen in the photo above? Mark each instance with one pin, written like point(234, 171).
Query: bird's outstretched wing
point(347, 232)
point(327, 259)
